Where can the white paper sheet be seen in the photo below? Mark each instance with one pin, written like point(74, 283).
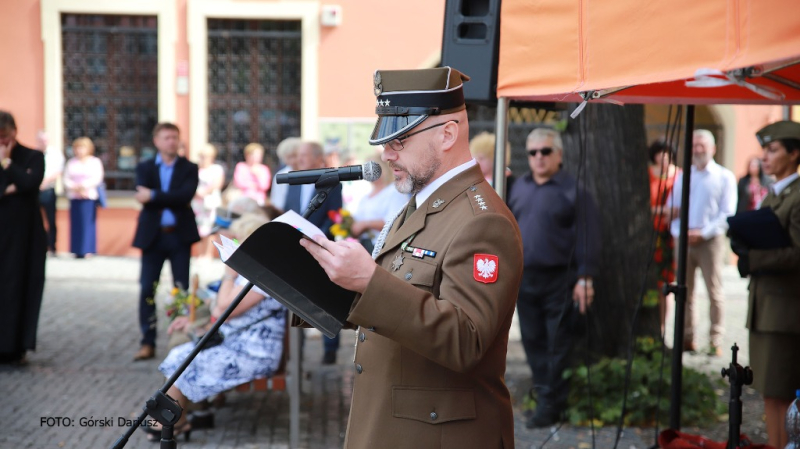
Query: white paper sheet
point(227, 247)
point(297, 221)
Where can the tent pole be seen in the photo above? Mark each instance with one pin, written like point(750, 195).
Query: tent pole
point(501, 137)
point(680, 288)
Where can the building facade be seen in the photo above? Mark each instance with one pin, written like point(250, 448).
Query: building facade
point(228, 72)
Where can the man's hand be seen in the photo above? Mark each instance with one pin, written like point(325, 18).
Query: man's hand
point(583, 295)
point(143, 194)
point(695, 237)
point(347, 264)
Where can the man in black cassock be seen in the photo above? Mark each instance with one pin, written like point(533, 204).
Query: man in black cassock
point(22, 243)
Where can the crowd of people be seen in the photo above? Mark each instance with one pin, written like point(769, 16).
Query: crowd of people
point(548, 272)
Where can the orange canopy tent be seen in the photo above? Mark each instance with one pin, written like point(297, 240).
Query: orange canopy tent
point(649, 51)
point(645, 51)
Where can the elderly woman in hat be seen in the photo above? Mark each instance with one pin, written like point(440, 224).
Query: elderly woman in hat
point(774, 303)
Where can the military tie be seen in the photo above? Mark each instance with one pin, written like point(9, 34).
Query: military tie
point(412, 206)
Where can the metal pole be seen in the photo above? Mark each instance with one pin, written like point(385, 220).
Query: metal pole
point(501, 136)
point(294, 387)
point(680, 288)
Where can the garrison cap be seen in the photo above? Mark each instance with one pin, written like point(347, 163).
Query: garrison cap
point(784, 129)
point(405, 98)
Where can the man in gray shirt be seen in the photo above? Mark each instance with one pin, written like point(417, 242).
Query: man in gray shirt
point(561, 249)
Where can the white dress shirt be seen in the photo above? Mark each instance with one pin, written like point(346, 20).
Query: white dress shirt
point(428, 190)
point(277, 196)
point(712, 199)
point(778, 186)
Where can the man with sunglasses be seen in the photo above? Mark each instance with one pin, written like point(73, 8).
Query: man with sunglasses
point(561, 242)
point(434, 307)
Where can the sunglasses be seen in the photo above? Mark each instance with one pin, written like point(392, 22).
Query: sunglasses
point(547, 151)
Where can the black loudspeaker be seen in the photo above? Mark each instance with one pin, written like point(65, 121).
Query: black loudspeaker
point(471, 45)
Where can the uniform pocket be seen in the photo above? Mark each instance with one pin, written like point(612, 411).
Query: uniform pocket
point(417, 272)
point(433, 405)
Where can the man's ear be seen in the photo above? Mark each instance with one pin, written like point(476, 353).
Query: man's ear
point(449, 135)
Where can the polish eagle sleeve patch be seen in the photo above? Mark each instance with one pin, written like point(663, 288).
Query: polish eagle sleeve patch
point(485, 267)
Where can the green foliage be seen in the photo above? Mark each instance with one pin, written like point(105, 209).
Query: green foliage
point(561, 125)
point(700, 404)
point(650, 298)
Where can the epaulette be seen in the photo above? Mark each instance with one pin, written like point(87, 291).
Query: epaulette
point(476, 198)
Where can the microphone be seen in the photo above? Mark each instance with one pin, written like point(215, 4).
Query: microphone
point(369, 171)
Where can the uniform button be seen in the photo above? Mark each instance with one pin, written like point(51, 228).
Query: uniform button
point(359, 368)
point(362, 337)
point(408, 276)
point(434, 416)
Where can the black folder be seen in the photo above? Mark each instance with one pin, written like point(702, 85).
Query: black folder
point(758, 229)
point(273, 259)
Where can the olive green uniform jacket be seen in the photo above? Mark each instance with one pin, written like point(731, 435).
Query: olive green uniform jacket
point(774, 303)
point(431, 351)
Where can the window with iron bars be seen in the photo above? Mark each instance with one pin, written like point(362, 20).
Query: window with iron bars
point(110, 89)
point(254, 78)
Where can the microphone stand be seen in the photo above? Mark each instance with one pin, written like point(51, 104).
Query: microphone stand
point(165, 409)
point(737, 376)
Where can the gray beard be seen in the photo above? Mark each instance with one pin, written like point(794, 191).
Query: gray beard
point(414, 183)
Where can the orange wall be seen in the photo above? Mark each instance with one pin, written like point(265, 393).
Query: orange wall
point(182, 55)
point(378, 34)
point(22, 70)
point(750, 119)
point(115, 229)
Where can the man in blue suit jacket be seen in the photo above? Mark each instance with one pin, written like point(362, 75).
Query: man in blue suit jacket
point(166, 228)
point(309, 156)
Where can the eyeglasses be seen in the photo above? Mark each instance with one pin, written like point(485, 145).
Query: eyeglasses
point(546, 151)
point(397, 144)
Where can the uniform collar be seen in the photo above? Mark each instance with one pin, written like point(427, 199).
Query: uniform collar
point(436, 202)
point(778, 187)
point(428, 190)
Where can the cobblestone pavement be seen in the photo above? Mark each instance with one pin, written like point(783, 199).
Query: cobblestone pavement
point(82, 371)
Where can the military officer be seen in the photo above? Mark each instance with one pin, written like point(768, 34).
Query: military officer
point(435, 305)
point(773, 308)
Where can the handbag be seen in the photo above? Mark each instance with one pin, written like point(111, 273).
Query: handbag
point(102, 199)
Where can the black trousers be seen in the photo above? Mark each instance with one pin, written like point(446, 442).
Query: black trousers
point(47, 199)
point(545, 309)
point(167, 246)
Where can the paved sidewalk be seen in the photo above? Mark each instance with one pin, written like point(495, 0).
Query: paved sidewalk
point(82, 370)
